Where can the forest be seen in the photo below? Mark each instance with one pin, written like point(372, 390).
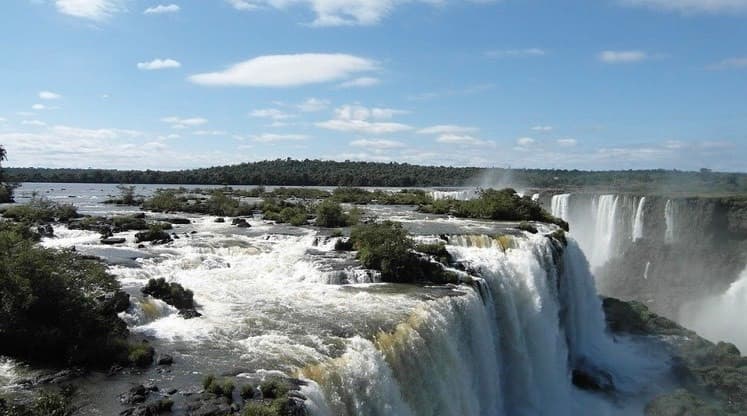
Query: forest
point(289, 172)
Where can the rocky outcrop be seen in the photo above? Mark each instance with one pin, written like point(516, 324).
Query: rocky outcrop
point(712, 377)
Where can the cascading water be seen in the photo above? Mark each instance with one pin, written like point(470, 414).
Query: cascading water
point(559, 205)
point(507, 349)
point(720, 317)
point(460, 195)
point(638, 220)
point(669, 213)
point(605, 208)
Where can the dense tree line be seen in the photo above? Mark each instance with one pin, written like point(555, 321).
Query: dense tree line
point(307, 172)
point(6, 191)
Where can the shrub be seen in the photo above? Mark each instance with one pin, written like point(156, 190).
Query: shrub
point(274, 388)
point(52, 307)
point(259, 409)
point(41, 210)
point(247, 391)
point(141, 354)
point(329, 214)
point(164, 200)
point(154, 233)
point(218, 387)
point(437, 250)
point(344, 245)
point(127, 194)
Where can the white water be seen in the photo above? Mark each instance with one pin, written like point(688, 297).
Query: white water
point(669, 213)
point(559, 205)
point(461, 195)
point(509, 351)
point(638, 220)
point(722, 317)
point(605, 209)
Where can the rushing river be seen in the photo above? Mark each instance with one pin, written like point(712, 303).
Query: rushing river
point(279, 299)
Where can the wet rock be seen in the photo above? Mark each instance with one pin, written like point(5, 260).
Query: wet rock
point(177, 220)
point(45, 230)
point(240, 222)
point(220, 220)
point(189, 313)
point(139, 215)
point(587, 379)
point(172, 392)
point(112, 240)
point(154, 236)
point(165, 359)
point(140, 246)
point(137, 394)
point(62, 376)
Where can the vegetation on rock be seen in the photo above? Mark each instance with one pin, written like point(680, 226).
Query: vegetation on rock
point(172, 293)
point(41, 210)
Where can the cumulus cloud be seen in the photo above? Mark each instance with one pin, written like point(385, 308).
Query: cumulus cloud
point(691, 6)
point(448, 129)
point(39, 107)
point(162, 9)
point(312, 105)
point(287, 70)
point(379, 144)
point(567, 142)
point(97, 10)
point(542, 128)
point(338, 12)
point(360, 82)
point(158, 64)
point(183, 123)
point(622, 57)
point(271, 138)
point(364, 120)
point(37, 123)
point(49, 95)
point(358, 112)
point(271, 113)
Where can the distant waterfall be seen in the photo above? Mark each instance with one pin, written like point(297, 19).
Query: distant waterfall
point(460, 195)
point(559, 205)
point(669, 213)
point(506, 349)
point(605, 208)
point(638, 220)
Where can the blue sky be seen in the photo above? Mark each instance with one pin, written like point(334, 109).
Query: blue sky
point(602, 84)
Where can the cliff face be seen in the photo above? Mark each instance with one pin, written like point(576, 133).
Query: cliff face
point(662, 251)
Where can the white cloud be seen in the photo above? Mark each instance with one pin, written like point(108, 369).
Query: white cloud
point(183, 123)
point(33, 123)
point(542, 128)
point(338, 12)
point(209, 133)
point(692, 6)
point(525, 141)
point(622, 57)
point(312, 105)
point(379, 144)
point(730, 63)
point(38, 107)
point(49, 95)
point(287, 70)
point(271, 138)
point(84, 133)
point(360, 82)
point(162, 8)
point(271, 113)
point(463, 140)
point(447, 129)
point(364, 120)
point(364, 127)
point(243, 5)
point(89, 9)
point(515, 53)
point(567, 142)
point(3, 120)
point(158, 64)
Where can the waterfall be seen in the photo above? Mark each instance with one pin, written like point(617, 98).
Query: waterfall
point(605, 208)
point(638, 220)
point(559, 205)
point(535, 197)
point(460, 195)
point(669, 213)
point(721, 318)
point(506, 350)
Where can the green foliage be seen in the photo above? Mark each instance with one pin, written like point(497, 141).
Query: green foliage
point(140, 354)
point(41, 210)
point(437, 250)
point(259, 409)
point(164, 200)
point(172, 293)
point(344, 245)
point(559, 235)
point(154, 234)
point(284, 212)
point(329, 214)
point(6, 190)
point(362, 196)
point(127, 195)
point(220, 203)
point(50, 305)
point(274, 388)
point(46, 403)
point(290, 172)
point(129, 222)
point(219, 387)
point(387, 247)
point(499, 205)
point(247, 391)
